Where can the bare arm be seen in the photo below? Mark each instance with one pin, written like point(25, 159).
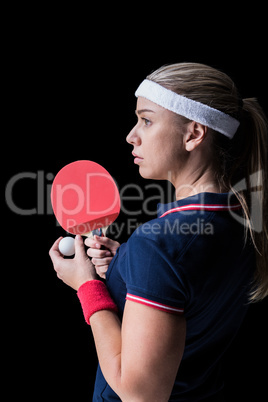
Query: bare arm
point(140, 360)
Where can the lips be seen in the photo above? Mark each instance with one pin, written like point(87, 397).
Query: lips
point(137, 159)
point(135, 155)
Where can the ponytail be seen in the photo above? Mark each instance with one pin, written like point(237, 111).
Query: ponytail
point(254, 127)
point(243, 170)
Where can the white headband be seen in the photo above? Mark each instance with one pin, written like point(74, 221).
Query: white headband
point(193, 110)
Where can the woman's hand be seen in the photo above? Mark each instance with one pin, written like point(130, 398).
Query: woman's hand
point(74, 272)
point(101, 258)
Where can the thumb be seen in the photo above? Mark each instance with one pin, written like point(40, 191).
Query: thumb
point(79, 246)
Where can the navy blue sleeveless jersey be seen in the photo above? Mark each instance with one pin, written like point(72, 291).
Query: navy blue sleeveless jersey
point(192, 260)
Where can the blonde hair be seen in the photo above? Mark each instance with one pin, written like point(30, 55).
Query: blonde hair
point(237, 160)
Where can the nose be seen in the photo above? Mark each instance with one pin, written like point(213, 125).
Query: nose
point(133, 137)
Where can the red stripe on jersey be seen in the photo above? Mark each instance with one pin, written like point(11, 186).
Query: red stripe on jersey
point(203, 207)
point(158, 306)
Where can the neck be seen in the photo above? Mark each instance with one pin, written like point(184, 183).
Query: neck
point(200, 181)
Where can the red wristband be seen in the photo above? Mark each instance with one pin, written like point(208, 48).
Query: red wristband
point(94, 296)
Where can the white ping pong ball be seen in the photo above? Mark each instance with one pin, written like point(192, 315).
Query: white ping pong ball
point(66, 246)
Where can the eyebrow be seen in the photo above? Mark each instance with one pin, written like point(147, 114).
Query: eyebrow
point(143, 110)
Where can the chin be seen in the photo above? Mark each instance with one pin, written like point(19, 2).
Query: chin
point(149, 174)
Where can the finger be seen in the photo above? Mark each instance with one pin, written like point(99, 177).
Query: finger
point(106, 242)
point(103, 276)
point(103, 240)
point(90, 242)
point(101, 271)
point(55, 246)
point(99, 262)
point(54, 251)
point(92, 252)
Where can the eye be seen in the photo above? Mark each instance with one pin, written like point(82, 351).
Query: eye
point(146, 121)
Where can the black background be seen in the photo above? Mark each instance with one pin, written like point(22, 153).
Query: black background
point(70, 77)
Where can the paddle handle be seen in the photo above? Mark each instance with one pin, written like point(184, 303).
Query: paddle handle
point(99, 232)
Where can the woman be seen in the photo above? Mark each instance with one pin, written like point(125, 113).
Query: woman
point(177, 291)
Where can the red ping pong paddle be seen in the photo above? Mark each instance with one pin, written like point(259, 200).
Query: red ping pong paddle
point(85, 198)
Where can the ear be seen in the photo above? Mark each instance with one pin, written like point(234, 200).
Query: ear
point(195, 135)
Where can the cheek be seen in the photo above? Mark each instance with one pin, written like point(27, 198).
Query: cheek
point(160, 158)
point(169, 150)
point(162, 151)
point(152, 165)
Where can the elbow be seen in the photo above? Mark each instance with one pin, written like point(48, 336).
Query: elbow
point(130, 390)
point(134, 396)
